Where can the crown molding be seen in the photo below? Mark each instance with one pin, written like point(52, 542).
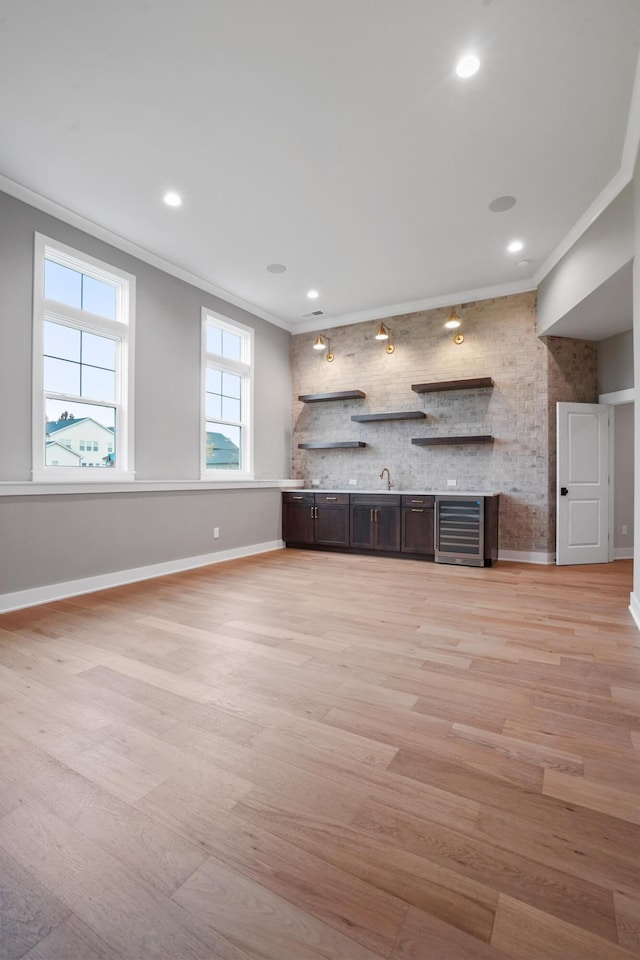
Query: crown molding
point(54, 209)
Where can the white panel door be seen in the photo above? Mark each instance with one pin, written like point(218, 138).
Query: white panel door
point(583, 483)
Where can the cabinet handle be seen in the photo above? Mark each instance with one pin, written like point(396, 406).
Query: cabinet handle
point(331, 498)
point(417, 501)
point(297, 498)
point(316, 509)
point(414, 510)
point(376, 515)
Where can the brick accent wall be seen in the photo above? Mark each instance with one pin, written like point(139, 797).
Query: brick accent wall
point(519, 411)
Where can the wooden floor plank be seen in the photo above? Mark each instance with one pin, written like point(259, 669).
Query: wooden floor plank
point(218, 764)
point(530, 934)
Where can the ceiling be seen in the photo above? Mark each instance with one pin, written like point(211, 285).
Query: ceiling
point(330, 136)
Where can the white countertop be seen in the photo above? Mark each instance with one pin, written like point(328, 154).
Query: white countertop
point(450, 492)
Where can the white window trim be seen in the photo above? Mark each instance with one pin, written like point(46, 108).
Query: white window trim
point(245, 369)
point(45, 247)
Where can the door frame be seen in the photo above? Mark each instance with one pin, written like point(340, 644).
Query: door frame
point(613, 400)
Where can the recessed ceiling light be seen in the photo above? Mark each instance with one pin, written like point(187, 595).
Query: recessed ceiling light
point(313, 294)
point(467, 66)
point(276, 268)
point(501, 204)
point(523, 263)
point(172, 199)
point(515, 246)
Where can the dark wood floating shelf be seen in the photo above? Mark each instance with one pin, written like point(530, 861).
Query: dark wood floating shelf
point(328, 445)
point(402, 415)
point(438, 441)
point(336, 395)
point(471, 384)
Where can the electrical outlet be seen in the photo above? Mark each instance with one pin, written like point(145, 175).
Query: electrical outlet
point(315, 483)
point(452, 483)
point(216, 533)
point(625, 530)
point(352, 482)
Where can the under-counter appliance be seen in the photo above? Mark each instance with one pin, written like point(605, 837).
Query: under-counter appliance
point(460, 525)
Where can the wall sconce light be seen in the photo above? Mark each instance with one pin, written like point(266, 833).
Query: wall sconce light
point(384, 333)
point(322, 343)
point(453, 323)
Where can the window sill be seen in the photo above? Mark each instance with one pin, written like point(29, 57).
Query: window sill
point(47, 488)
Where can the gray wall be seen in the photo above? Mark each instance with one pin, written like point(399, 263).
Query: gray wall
point(615, 363)
point(52, 539)
point(599, 253)
point(167, 392)
point(623, 475)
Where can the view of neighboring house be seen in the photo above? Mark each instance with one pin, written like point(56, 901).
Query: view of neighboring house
point(222, 453)
point(79, 443)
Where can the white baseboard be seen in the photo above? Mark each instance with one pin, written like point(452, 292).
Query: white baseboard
point(73, 588)
point(525, 556)
point(634, 609)
point(623, 553)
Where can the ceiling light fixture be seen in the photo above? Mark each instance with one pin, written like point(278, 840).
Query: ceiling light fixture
point(467, 66)
point(453, 322)
point(515, 246)
point(276, 268)
point(523, 263)
point(384, 333)
point(322, 343)
point(172, 199)
point(313, 294)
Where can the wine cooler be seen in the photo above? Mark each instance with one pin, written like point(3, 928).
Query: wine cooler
point(460, 531)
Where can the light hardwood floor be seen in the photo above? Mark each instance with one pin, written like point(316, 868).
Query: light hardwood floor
point(310, 755)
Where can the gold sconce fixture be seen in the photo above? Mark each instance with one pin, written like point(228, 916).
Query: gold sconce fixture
point(322, 343)
point(384, 333)
point(453, 323)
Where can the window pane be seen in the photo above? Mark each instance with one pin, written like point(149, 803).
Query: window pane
point(98, 351)
point(70, 422)
point(60, 341)
point(214, 406)
point(231, 385)
point(63, 284)
point(214, 381)
point(214, 340)
point(223, 447)
point(97, 383)
point(230, 409)
point(231, 346)
point(61, 376)
point(98, 297)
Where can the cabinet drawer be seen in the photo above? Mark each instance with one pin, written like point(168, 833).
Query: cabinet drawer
point(333, 499)
point(375, 499)
point(417, 500)
point(302, 497)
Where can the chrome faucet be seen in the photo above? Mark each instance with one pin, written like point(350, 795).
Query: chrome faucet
point(382, 473)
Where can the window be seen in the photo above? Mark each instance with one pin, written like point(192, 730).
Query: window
point(82, 365)
point(227, 350)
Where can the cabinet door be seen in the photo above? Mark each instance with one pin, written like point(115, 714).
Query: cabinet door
point(417, 530)
point(298, 523)
point(387, 528)
point(362, 526)
point(332, 525)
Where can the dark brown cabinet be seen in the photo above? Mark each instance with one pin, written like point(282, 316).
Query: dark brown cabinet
point(402, 524)
point(375, 522)
point(316, 519)
point(417, 525)
point(298, 523)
